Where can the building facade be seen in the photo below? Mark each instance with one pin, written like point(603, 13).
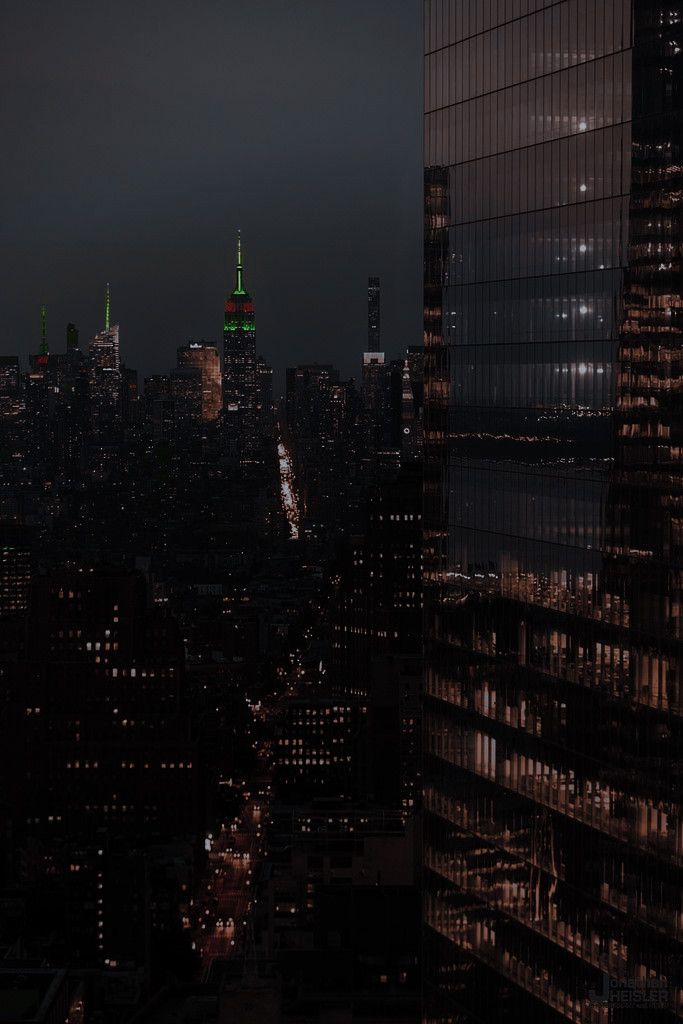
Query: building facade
point(198, 355)
point(105, 382)
point(553, 424)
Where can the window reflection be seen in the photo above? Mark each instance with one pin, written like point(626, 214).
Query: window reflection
point(553, 504)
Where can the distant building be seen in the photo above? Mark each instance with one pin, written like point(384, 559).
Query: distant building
point(240, 398)
point(105, 764)
point(187, 397)
point(12, 400)
point(105, 383)
point(265, 399)
point(41, 358)
point(316, 741)
point(15, 570)
point(376, 635)
point(158, 407)
point(323, 425)
point(373, 314)
point(198, 355)
point(104, 350)
point(374, 389)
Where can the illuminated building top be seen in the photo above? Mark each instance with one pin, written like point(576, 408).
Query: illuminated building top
point(239, 308)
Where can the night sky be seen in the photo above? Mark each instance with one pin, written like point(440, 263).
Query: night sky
point(138, 136)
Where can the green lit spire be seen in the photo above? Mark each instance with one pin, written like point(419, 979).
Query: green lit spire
point(44, 350)
point(107, 307)
point(239, 282)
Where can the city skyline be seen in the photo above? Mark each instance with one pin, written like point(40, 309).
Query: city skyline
point(101, 190)
point(59, 339)
point(54, 337)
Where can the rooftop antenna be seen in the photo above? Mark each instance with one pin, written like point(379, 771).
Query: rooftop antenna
point(239, 285)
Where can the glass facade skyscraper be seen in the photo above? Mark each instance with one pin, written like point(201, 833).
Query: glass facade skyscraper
point(553, 510)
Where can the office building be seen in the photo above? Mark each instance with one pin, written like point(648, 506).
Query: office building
point(15, 570)
point(375, 393)
point(376, 636)
point(205, 358)
point(265, 398)
point(106, 769)
point(12, 401)
point(105, 383)
point(553, 419)
point(187, 397)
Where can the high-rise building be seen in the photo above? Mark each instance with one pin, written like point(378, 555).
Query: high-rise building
point(104, 349)
point(553, 424)
point(105, 381)
point(158, 407)
point(105, 378)
point(239, 361)
point(375, 391)
point(11, 391)
point(105, 767)
point(205, 358)
point(373, 315)
point(40, 360)
point(15, 570)
point(376, 633)
point(265, 400)
point(130, 405)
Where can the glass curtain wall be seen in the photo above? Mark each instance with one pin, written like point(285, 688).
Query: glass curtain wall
point(553, 510)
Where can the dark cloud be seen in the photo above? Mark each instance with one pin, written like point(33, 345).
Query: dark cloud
point(139, 135)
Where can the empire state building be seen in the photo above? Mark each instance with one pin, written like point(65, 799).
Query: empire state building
point(239, 363)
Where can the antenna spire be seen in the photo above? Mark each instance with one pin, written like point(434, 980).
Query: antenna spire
point(239, 276)
point(107, 307)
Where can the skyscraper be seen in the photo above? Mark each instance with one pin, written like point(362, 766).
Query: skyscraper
point(105, 377)
point(239, 359)
point(40, 360)
point(375, 391)
point(206, 359)
point(553, 418)
point(373, 314)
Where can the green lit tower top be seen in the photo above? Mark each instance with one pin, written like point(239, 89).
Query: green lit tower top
point(239, 308)
point(239, 361)
point(239, 270)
